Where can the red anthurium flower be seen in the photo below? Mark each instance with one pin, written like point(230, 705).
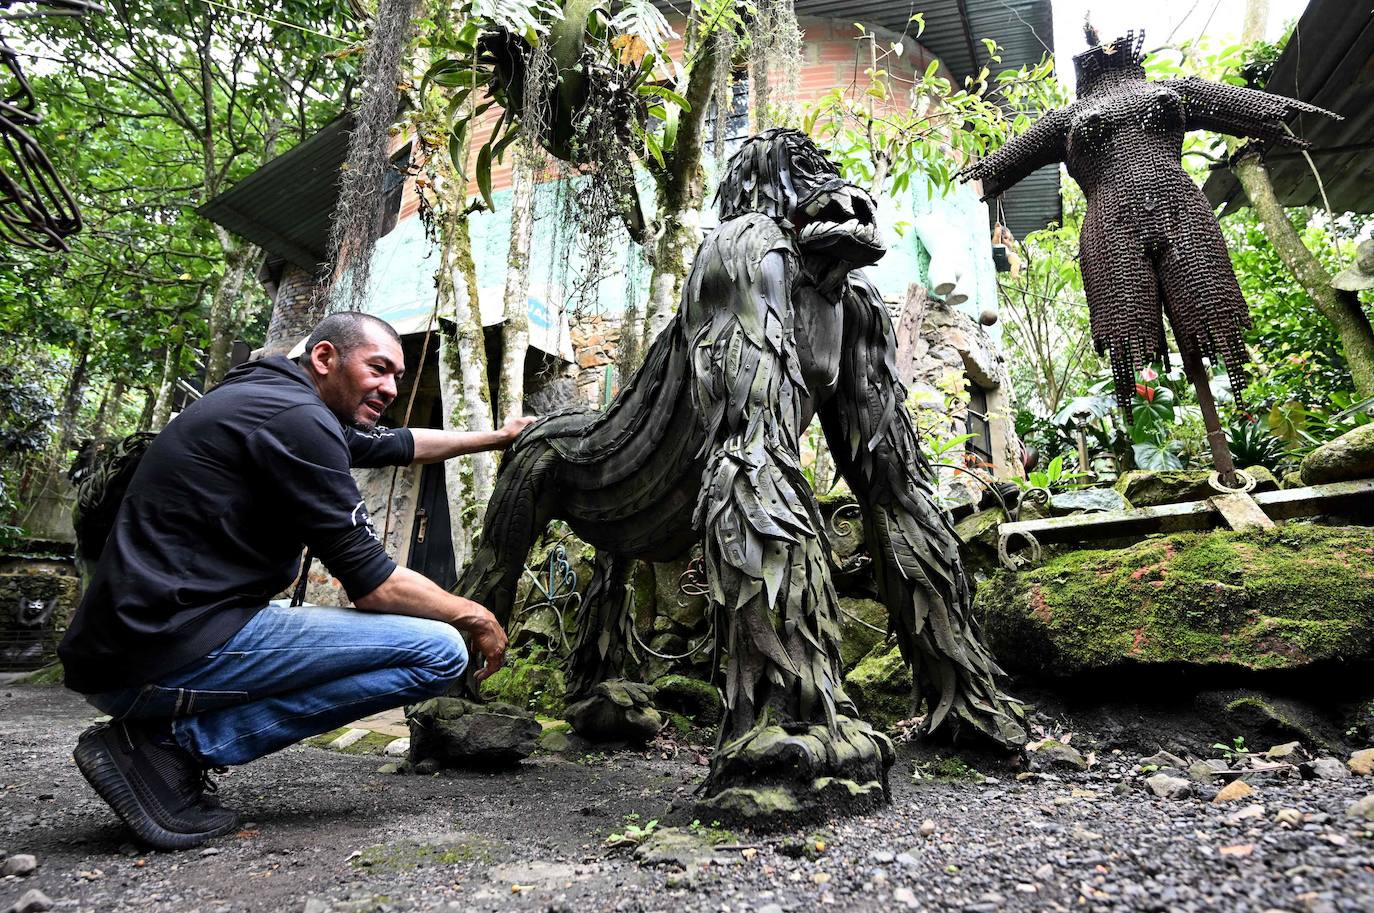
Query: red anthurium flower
point(1146, 393)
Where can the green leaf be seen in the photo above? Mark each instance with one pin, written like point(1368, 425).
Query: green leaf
point(665, 92)
point(484, 174)
point(1150, 456)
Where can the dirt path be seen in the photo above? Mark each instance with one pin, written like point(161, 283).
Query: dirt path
point(330, 833)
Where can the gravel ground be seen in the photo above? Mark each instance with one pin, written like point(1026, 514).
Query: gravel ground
point(328, 832)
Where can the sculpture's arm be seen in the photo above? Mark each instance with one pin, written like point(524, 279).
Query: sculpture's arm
point(910, 538)
point(1240, 112)
point(1041, 145)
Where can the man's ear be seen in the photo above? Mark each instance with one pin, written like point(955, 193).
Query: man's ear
point(324, 358)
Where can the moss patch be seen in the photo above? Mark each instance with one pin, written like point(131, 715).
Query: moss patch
point(531, 679)
point(450, 850)
point(373, 743)
point(50, 674)
point(1265, 599)
point(880, 686)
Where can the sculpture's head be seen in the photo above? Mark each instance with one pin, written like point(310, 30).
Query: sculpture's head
point(1106, 64)
point(783, 174)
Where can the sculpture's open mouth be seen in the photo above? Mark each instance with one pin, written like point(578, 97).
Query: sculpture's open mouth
point(840, 221)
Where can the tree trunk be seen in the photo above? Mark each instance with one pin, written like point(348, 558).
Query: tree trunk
point(171, 372)
point(515, 332)
point(111, 410)
point(680, 190)
point(1341, 308)
point(224, 312)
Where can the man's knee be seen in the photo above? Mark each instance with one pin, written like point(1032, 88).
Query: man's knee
point(446, 654)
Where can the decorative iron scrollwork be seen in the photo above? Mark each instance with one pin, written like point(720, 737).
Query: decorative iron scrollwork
point(556, 583)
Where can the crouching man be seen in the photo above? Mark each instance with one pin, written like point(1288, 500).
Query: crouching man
point(175, 638)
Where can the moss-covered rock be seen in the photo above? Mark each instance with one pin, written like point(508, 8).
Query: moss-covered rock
point(690, 697)
point(1350, 456)
point(863, 625)
point(880, 686)
point(1262, 599)
point(1151, 488)
point(531, 679)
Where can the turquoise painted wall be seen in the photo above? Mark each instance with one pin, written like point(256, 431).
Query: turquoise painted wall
point(404, 262)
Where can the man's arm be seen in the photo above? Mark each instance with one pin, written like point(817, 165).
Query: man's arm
point(433, 446)
point(408, 593)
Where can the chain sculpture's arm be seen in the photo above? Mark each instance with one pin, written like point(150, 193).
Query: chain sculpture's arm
point(1237, 111)
point(766, 556)
point(1041, 145)
point(914, 548)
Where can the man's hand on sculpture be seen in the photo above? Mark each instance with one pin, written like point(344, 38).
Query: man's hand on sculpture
point(512, 428)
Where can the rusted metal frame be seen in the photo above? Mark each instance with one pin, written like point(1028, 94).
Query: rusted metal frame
point(1276, 506)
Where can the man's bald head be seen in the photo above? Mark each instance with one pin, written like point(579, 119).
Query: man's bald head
point(346, 331)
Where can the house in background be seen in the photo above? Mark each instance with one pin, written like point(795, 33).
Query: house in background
point(946, 356)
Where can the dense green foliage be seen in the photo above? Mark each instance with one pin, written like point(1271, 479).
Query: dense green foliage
point(148, 111)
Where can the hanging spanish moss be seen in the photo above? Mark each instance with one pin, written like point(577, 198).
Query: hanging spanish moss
point(723, 92)
point(774, 62)
point(357, 215)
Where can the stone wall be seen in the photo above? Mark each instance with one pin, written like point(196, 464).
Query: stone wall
point(291, 315)
point(596, 340)
point(941, 354)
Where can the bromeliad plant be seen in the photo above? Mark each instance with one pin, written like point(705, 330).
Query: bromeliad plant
point(585, 84)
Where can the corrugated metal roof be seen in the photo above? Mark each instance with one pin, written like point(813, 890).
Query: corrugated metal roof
point(285, 206)
point(1329, 61)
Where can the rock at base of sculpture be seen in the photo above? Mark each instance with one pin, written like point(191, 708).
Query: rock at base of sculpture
point(690, 697)
point(616, 711)
point(781, 777)
point(457, 732)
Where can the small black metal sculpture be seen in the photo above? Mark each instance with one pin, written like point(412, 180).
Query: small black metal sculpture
point(1150, 244)
point(702, 445)
point(36, 209)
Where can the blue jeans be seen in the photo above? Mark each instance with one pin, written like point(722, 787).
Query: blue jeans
point(291, 673)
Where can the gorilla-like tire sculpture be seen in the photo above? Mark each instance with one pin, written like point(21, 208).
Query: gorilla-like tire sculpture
point(702, 446)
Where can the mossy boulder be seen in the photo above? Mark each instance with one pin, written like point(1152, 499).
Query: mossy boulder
point(1080, 500)
point(531, 679)
point(880, 686)
point(691, 697)
point(1348, 457)
point(1151, 488)
point(453, 732)
point(863, 625)
point(1262, 599)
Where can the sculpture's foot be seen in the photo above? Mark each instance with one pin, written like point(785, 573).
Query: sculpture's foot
point(456, 732)
point(616, 711)
point(783, 776)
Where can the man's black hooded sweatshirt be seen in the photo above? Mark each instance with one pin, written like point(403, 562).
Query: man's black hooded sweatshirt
point(214, 521)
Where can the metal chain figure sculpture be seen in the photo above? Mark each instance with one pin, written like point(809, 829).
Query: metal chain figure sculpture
point(776, 325)
point(36, 209)
point(1150, 243)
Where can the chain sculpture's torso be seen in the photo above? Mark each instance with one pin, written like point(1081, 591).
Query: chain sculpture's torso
point(702, 445)
point(1150, 245)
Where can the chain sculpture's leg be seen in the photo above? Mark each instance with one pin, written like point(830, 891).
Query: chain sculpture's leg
point(912, 541)
point(602, 705)
point(789, 748)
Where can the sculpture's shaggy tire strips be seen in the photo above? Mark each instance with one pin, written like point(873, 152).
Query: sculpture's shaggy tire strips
point(154, 789)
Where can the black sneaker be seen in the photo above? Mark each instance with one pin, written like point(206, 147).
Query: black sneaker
point(153, 784)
